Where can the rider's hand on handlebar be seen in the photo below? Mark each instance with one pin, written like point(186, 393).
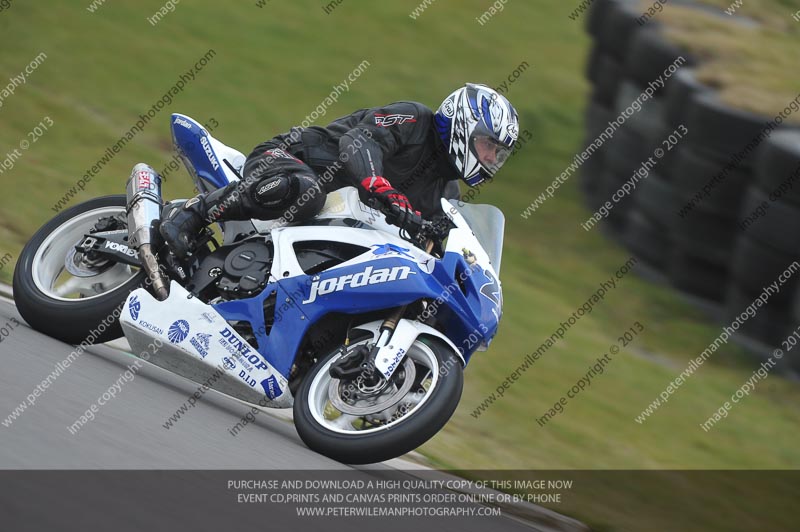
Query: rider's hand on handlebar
point(405, 218)
point(395, 205)
point(386, 194)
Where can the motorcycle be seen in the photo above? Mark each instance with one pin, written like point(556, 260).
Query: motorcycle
point(362, 329)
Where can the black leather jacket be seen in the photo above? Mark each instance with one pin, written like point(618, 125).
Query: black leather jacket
point(398, 141)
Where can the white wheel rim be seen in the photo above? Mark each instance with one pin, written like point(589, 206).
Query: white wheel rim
point(48, 266)
point(334, 420)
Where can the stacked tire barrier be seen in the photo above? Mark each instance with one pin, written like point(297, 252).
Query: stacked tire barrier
point(612, 27)
point(718, 210)
point(769, 222)
point(626, 59)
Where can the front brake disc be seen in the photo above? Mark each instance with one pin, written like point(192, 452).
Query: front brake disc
point(376, 402)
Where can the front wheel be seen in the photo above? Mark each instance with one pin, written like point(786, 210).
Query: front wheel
point(362, 422)
point(63, 293)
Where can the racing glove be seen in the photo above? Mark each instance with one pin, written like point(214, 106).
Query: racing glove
point(382, 189)
point(400, 212)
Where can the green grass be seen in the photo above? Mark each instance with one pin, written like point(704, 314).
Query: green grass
point(273, 67)
point(749, 64)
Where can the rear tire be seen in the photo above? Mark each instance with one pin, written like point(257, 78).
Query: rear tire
point(71, 320)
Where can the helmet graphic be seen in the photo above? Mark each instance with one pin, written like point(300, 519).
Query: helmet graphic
point(478, 127)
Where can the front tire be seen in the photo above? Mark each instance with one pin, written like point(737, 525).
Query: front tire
point(69, 305)
point(426, 396)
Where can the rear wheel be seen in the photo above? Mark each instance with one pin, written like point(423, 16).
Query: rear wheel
point(358, 422)
point(66, 294)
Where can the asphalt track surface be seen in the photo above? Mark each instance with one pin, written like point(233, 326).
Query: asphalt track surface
point(128, 434)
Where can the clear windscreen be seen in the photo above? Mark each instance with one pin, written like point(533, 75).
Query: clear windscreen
point(488, 224)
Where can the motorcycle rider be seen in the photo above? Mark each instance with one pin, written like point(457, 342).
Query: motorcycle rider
point(403, 154)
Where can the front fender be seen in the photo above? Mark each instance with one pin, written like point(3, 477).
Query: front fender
point(404, 336)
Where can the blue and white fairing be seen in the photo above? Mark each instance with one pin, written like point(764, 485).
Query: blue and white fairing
point(391, 273)
point(203, 155)
point(188, 337)
point(472, 256)
point(463, 288)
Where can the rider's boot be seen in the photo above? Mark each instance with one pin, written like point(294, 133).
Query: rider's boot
point(182, 221)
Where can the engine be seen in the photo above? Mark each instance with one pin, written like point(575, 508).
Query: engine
point(234, 272)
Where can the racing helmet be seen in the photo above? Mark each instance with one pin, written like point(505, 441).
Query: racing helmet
point(478, 127)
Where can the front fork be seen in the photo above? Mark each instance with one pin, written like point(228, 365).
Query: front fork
point(366, 364)
point(390, 323)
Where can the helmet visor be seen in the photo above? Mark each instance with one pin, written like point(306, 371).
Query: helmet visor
point(491, 154)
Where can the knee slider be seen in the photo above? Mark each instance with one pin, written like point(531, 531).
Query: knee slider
point(273, 190)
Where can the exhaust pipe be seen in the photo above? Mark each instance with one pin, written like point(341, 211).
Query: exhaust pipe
point(144, 211)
